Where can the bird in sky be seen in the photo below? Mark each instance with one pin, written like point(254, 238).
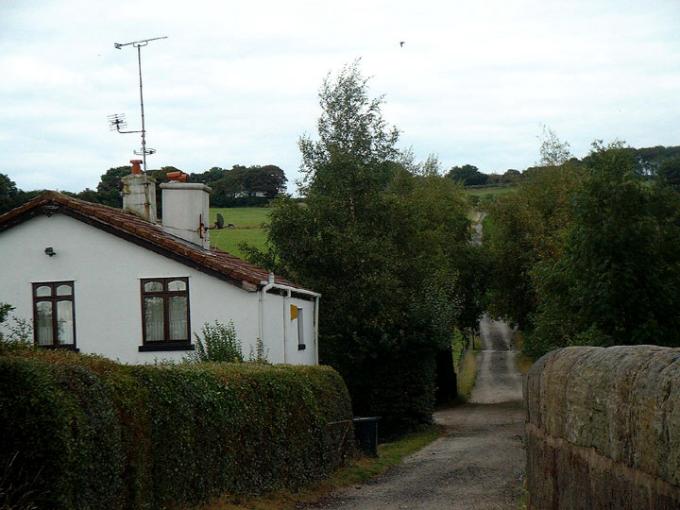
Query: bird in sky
point(401, 44)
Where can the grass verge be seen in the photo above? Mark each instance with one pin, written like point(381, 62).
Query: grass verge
point(467, 374)
point(522, 361)
point(358, 471)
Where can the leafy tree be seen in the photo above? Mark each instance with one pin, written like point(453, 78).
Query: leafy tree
point(524, 228)
point(554, 152)
point(241, 185)
point(512, 176)
point(110, 186)
point(468, 175)
point(268, 179)
point(209, 176)
point(351, 124)
point(669, 172)
point(618, 277)
point(8, 193)
point(382, 245)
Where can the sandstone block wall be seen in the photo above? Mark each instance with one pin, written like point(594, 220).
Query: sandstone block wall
point(603, 429)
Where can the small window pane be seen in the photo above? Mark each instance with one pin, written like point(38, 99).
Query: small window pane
point(43, 291)
point(153, 318)
point(65, 322)
point(153, 287)
point(64, 290)
point(176, 285)
point(178, 318)
point(44, 319)
point(301, 327)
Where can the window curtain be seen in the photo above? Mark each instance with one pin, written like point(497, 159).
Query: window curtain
point(65, 322)
point(153, 319)
point(44, 312)
point(178, 318)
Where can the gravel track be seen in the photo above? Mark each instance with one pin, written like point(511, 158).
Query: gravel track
point(478, 464)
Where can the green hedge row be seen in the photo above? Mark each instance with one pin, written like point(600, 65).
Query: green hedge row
point(84, 432)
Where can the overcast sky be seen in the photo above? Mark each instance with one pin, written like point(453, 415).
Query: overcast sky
point(237, 82)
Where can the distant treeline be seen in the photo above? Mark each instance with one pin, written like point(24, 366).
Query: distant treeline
point(238, 186)
point(648, 161)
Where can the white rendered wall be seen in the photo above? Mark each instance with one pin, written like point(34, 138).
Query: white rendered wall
point(280, 329)
point(106, 271)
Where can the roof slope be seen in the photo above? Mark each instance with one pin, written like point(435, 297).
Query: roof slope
point(132, 228)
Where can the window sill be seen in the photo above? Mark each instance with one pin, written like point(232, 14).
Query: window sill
point(166, 346)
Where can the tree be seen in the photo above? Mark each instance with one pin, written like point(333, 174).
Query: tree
point(468, 175)
point(8, 193)
point(384, 247)
point(110, 187)
point(350, 124)
point(618, 277)
point(523, 228)
point(554, 152)
point(208, 177)
point(268, 179)
point(669, 172)
point(512, 176)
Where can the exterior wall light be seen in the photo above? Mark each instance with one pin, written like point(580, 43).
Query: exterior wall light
point(49, 251)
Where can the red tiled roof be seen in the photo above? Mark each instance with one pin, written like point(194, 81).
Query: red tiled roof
point(216, 262)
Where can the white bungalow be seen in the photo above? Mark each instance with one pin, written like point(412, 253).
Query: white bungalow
point(117, 283)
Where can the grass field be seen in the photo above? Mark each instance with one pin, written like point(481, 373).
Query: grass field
point(247, 223)
point(489, 190)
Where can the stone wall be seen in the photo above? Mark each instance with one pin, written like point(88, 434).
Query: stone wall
point(603, 429)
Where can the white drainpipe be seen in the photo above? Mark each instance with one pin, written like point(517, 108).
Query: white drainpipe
point(260, 319)
point(316, 329)
point(286, 299)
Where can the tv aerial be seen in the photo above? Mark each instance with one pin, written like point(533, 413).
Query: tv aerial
point(117, 121)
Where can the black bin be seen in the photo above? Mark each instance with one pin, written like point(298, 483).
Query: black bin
point(366, 434)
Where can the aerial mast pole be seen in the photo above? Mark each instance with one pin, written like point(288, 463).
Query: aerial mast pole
point(118, 121)
point(141, 103)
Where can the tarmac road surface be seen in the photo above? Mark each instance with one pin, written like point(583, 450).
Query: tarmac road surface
point(478, 464)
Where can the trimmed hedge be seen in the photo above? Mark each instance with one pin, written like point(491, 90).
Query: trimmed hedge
point(85, 432)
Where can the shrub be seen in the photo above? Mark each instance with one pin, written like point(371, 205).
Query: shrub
point(219, 343)
point(4, 312)
point(85, 432)
point(219, 221)
point(260, 354)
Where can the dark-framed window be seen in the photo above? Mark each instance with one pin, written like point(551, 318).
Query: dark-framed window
point(165, 314)
point(54, 314)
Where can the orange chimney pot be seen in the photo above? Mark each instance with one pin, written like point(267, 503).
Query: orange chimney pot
point(177, 176)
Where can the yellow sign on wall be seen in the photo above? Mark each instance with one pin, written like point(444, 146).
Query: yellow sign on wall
point(293, 312)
